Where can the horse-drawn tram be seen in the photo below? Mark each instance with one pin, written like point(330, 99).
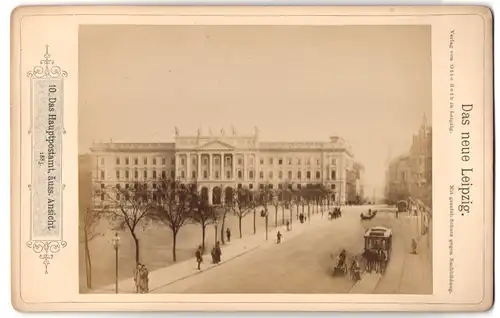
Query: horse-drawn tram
point(379, 238)
point(378, 247)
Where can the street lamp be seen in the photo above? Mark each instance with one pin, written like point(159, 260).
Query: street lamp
point(265, 214)
point(116, 244)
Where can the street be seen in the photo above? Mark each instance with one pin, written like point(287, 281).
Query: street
point(303, 264)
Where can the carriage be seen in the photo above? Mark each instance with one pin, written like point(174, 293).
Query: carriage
point(378, 247)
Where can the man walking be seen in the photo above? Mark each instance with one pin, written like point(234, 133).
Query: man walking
point(199, 257)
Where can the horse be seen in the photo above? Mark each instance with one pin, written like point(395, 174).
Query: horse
point(372, 259)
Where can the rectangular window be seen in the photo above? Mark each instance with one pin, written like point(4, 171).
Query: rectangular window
point(271, 161)
point(172, 174)
point(127, 174)
point(250, 186)
point(334, 162)
point(102, 175)
point(136, 161)
point(102, 161)
point(262, 174)
point(333, 175)
point(118, 174)
point(145, 160)
point(163, 174)
point(317, 162)
point(136, 174)
point(145, 174)
point(289, 161)
point(280, 161)
point(154, 161)
point(240, 161)
point(163, 161)
point(118, 160)
point(154, 174)
point(102, 185)
point(127, 161)
point(261, 161)
point(172, 161)
point(298, 161)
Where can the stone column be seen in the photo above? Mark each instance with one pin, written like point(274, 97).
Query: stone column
point(222, 166)
point(210, 165)
point(188, 166)
point(256, 173)
point(245, 167)
point(233, 162)
point(198, 173)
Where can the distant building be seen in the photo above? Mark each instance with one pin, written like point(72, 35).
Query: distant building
point(215, 162)
point(410, 175)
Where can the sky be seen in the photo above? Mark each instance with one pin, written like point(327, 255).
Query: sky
point(369, 84)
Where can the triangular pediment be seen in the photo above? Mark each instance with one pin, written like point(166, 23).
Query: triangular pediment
point(216, 144)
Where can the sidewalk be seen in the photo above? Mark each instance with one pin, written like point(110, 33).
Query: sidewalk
point(236, 248)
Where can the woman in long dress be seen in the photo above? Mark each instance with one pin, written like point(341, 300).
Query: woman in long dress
point(144, 275)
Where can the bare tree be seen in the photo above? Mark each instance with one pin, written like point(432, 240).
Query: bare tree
point(88, 224)
point(130, 205)
point(202, 212)
point(228, 199)
point(243, 204)
point(173, 201)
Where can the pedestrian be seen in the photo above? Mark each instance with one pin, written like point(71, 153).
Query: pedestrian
point(144, 279)
point(218, 253)
point(413, 246)
point(214, 255)
point(278, 237)
point(137, 277)
point(287, 225)
point(228, 234)
point(199, 256)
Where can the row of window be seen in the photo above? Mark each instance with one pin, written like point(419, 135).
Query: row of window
point(154, 186)
point(154, 174)
point(155, 161)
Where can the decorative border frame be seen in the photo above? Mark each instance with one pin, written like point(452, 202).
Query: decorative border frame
point(46, 70)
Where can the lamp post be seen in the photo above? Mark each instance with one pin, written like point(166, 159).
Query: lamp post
point(116, 244)
point(266, 215)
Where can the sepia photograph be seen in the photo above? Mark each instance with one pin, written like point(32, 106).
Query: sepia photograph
point(255, 159)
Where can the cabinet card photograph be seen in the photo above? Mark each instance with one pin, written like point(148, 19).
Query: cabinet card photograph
point(252, 158)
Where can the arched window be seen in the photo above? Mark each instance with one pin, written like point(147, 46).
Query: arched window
point(136, 174)
point(308, 175)
point(193, 174)
point(145, 174)
point(217, 176)
point(228, 174)
point(250, 174)
point(183, 175)
point(280, 174)
point(290, 176)
point(271, 175)
point(262, 174)
point(154, 174)
point(102, 175)
point(164, 174)
point(205, 174)
point(240, 174)
point(334, 174)
point(299, 175)
point(318, 175)
point(118, 174)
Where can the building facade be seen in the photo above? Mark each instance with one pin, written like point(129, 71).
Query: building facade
point(235, 161)
point(410, 175)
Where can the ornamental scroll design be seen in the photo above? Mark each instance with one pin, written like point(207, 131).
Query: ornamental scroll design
point(47, 68)
point(46, 248)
